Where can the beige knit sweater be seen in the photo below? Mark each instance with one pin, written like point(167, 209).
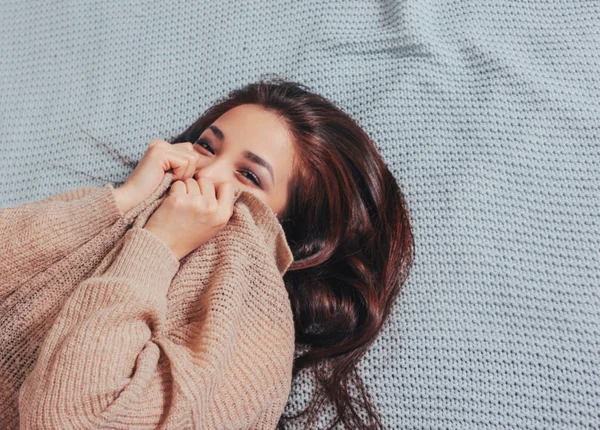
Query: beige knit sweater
point(101, 327)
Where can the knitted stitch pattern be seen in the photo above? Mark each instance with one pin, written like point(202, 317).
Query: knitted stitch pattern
point(486, 111)
point(102, 327)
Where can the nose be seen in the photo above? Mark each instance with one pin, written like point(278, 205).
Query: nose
point(215, 171)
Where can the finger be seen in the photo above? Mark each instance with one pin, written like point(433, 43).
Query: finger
point(173, 160)
point(178, 187)
point(158, 142)
point(225, 197)
point(186, 149)
point(207, 189)
point(181, 165)
point(187, 146)
point(191, 169)
point(192, 187)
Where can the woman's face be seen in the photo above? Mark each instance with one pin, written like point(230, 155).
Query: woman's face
point(232, 147)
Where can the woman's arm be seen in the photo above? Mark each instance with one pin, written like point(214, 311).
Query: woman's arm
point(99, 364)
point(34, 236)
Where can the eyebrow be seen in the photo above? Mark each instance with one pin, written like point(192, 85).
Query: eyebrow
point(249, 155)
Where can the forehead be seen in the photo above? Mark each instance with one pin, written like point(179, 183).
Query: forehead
point(254, 125)
point(251, 127)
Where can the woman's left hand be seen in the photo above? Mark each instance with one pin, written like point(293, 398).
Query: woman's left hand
point(191, 214)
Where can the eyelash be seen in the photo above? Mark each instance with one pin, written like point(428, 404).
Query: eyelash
point(255, 179)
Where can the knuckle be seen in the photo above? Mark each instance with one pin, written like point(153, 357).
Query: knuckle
point(197, 208)
point(156, 142)
point(186, 146)
point(212, 208)
point(155, 149)
point(178, 202)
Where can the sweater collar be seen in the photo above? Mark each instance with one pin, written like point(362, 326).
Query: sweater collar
point(264, 217)
point(266, 220)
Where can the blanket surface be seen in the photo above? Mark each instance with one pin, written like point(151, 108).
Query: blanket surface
point(486, 111)
point(102, 327)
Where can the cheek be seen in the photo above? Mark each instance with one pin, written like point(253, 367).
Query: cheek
point(275, 205)
point(259, 195)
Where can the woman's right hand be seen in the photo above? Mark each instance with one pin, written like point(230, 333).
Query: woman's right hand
point(150, 171)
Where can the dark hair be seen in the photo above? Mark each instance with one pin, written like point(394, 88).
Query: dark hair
point(348, 226)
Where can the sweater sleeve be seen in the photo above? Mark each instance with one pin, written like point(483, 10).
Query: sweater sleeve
point(269, 418)
point(34, 236)
point(98, 365)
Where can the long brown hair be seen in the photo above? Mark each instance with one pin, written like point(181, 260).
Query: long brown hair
point(348, 226)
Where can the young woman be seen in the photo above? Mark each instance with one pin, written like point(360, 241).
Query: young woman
point(345, 218)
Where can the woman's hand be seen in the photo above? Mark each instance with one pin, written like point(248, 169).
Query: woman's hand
point(150, 171)
point(191, 214)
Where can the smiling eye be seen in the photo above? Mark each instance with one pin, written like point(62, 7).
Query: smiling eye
point(251, 176)
point(202, 141)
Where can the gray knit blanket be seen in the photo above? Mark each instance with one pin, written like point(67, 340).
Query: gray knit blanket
point(487, 112)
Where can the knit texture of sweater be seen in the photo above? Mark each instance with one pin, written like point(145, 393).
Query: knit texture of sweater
point(102, 327)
